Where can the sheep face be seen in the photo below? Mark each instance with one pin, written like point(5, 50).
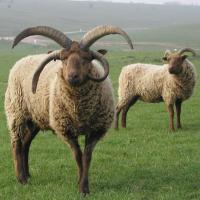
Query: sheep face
point(175, 62)
point(76, 64)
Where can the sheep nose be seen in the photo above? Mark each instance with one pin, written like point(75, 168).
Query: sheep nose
point(172, 71)
point(73, 76)
point(74, 79)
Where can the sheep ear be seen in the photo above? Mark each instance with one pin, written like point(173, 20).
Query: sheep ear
point(184, 57)
point(164, 58)
point(102, 51)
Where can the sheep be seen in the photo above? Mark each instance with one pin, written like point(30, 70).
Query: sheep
point(70, 96)
point(172, 83)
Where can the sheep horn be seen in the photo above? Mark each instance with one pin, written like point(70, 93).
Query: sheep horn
point(105, 65)
point(46, 31)
point(167, 53)
point(100, 31)
point(187, 50)
point(52, 56)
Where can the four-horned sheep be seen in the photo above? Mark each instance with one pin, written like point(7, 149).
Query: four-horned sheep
point(172, 83)
point(62, 91)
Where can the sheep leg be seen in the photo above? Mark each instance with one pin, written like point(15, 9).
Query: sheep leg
point(178, 104)
point(77, 154)
point(171, 116)
point(116, 117)
point(90, 142)
point(18, 161)
point(32, 132)
point(126, 108)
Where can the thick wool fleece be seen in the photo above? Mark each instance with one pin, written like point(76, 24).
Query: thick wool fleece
point(153, 83)
point(56, 105)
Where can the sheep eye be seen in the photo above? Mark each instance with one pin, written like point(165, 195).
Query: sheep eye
point(165, 58)
point(63, 58)
point(84, 62)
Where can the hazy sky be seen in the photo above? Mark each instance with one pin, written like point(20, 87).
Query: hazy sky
point(194, 2)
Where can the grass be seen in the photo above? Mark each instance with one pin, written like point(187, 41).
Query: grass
point(143, 162)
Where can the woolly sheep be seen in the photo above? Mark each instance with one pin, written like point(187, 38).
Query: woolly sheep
point(71, 97)
point(172, 83)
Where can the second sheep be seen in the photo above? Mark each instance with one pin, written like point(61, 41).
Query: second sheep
point(172, 83)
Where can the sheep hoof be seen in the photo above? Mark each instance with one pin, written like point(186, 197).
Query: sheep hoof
point(179, 127)
point(22, 180)
point(84, 189)
point(85, 194)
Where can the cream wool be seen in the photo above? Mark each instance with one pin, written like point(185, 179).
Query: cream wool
point(55, 105)
point(153, 84)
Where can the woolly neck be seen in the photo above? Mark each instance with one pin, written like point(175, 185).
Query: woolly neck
point(79, 91)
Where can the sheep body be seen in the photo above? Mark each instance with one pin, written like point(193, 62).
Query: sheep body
point(63, 91)
point(56, 105)
point(153, 84)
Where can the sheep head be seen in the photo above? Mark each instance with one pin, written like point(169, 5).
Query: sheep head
point(176, 59)
point(76, 64)
point(76, 57)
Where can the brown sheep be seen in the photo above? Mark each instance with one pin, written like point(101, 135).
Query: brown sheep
point(69, 95)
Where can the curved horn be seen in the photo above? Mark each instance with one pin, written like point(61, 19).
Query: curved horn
point(46, 31)
point(100, 31)
point(105, 65)
point(167, 53)
point(187, 50)
point(52, 56)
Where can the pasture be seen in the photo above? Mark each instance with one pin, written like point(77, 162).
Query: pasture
point(143, 162)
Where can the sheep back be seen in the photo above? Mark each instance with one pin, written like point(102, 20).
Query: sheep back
point(153, 83)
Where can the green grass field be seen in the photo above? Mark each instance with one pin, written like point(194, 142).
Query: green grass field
point(143, 162)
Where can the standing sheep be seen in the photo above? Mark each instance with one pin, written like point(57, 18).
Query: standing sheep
point(70, 96)
point(172, 83)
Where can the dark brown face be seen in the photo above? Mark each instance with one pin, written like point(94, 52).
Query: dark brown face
point(175, 63)
point(76, 65)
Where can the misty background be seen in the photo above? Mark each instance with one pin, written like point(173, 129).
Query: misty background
point(181, 2)
point(170, 25)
